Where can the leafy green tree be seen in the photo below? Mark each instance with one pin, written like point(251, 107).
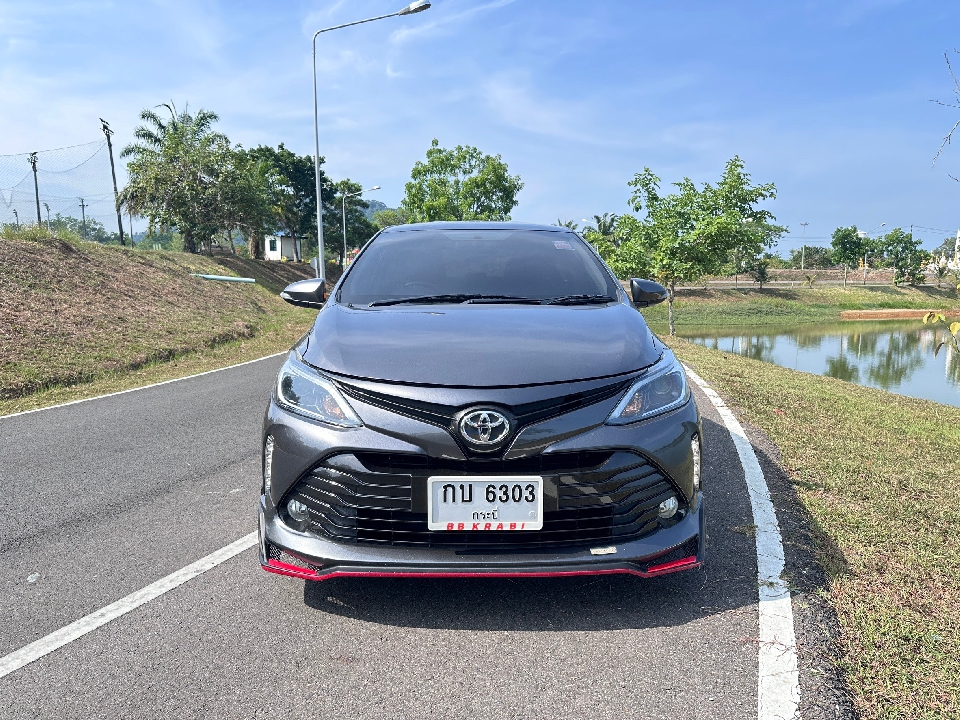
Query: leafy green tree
point(294, 194)
point(174, 170)
point(91, 230)
point(691, 233)
point(460, 184)
point(603, 235)
point(246, 199)
point(758, 270)
point(947, 248)
point(905, 256)
point(812, 257)
point(389, 217)
point(849, 248)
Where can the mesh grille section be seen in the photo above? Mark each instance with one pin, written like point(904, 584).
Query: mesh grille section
point(600, 497)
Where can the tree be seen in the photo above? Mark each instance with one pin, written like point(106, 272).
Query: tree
point(603, 235)
point(460, 184)
point(90, 230)
point(812, 257)
point(940, 269)
point(849, 248)
point(174, 171)
point(905, 256)
point(691, 233)
point(246, 199)
point(389, 217)
point(295, 193)
point(758, 271)
point(946, 249)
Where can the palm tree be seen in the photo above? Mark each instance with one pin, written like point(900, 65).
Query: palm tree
point(174, 170)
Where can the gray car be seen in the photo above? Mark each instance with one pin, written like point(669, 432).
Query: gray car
point(480, 398)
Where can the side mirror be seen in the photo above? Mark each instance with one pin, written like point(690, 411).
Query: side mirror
point(305, 293)
point(647, 292)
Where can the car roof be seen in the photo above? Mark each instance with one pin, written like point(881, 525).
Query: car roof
point(475, 225)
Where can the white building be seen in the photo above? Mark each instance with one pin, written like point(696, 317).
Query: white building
point(276, 247)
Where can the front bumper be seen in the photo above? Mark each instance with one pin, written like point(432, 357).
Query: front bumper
point(671, 549)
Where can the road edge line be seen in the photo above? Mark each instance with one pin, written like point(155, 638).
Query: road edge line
point(778, 683)
point(67, 634)
point(142, 387)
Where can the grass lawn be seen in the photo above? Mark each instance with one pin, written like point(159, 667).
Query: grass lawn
point(80, 319)
point(878, 473)
point(776, 306)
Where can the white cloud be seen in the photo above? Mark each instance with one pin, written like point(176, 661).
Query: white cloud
point(446, 22)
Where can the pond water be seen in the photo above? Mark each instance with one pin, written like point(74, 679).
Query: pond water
point(894, 355)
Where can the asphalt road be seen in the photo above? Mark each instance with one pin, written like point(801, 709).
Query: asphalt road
point(104, 497)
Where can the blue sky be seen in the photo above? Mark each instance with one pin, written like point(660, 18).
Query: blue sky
point(829, 100)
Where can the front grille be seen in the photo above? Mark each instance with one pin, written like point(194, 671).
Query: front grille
point(524, 414)
point(596, 497)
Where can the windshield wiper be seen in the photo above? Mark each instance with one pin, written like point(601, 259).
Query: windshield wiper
point(580, 300)
point(455, 298)
point(502, 299)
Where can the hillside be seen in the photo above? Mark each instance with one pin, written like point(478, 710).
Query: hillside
point(72, 312)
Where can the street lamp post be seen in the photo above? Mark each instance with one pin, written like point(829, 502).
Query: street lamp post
point(803, 248)
point(867, 235)
point(344, 198)
point(414, 7)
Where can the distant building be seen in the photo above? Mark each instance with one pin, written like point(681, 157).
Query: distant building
point(276, 247)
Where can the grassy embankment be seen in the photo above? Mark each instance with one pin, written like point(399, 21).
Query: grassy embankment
point(878, 475)
point(777, 306)
point(80, 319)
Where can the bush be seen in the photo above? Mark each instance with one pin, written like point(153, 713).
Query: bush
point(37, 233)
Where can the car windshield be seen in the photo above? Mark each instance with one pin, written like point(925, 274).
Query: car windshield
point(433, 266)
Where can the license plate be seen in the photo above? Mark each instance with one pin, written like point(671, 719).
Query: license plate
point(460, 503)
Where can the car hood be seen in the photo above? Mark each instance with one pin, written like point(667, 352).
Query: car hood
point(481, 345)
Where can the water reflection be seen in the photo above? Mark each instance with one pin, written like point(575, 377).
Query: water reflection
point(893, 355)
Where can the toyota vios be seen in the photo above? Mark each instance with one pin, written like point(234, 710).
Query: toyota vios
point(480, 399)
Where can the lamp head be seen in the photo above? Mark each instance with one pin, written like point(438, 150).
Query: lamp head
point(415, 7)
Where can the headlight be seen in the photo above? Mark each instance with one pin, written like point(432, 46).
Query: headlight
point(661, 389)
point(302, 390)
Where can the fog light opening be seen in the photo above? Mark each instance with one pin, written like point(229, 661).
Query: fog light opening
point(695, 451)
point(298, 511)
point(668, 508)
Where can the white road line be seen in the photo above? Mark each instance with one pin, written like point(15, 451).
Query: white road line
point(778, 696)
point(57, 639)
point(142, 387)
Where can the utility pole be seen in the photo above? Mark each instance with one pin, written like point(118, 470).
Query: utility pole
point(48, 217)
point(956, 251)
point(83, 213)
point(803, 248)
point(17, 216)
point(36, 188)
point(116, 198)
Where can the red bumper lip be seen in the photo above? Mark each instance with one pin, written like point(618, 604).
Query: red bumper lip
point(282, 568)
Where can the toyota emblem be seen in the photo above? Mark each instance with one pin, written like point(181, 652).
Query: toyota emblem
point(485, 428)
